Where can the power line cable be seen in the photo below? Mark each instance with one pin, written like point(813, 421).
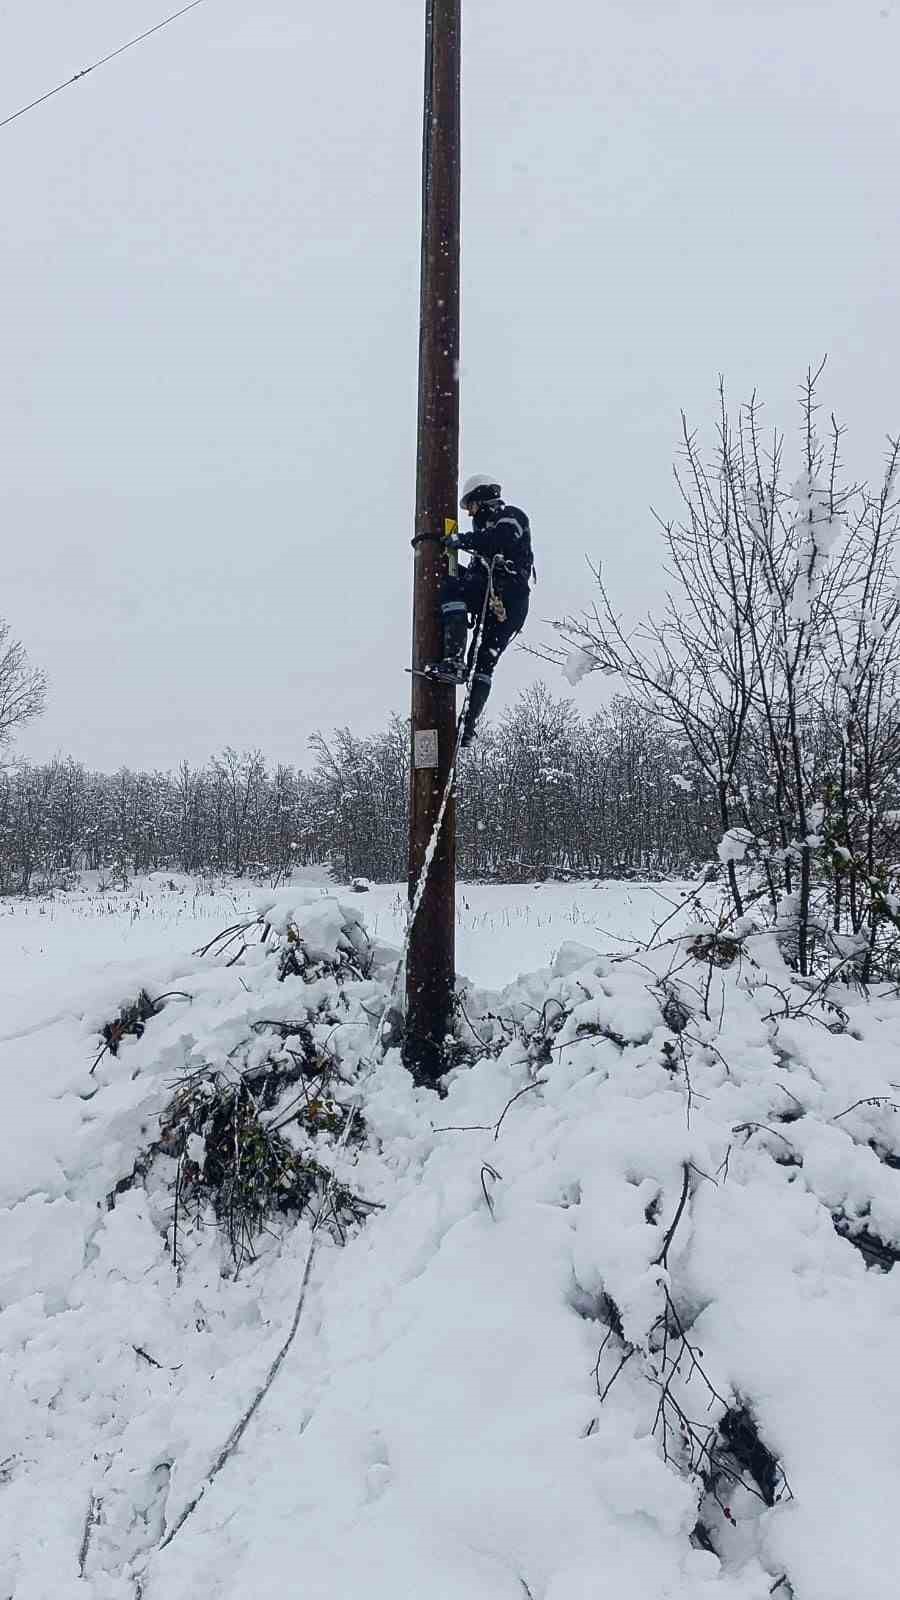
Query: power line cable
point(101, 63)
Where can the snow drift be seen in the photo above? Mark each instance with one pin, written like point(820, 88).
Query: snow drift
point(622, 1319)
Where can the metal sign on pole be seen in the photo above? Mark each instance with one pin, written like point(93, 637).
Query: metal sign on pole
point(430, 970)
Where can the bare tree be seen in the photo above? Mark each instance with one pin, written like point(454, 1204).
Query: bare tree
point(23, 688)
point(776, 661)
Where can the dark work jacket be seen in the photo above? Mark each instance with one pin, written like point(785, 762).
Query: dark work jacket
point(503, 532)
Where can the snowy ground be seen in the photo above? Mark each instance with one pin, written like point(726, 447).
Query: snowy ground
point(504, 1384)
point(501, 930)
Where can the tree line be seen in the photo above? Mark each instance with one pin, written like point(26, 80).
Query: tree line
point(544, 791)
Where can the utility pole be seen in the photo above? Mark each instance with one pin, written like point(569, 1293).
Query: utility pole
point(431, 964)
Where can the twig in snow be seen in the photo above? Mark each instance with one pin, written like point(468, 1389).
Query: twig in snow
point(145, 1357)
point(747, 1127)
point(623, 1363)
point(707, 987)
point(680, 906)
point(706, 1044)
point(488, 1171)
point(485, 1127)
point(463, 1127)
point(669, 1050)
point(485, 1044)
point(538, 1084)
point(606, 1338)
point(791, 1096)
point(175, 1216)
point(687, 1079)
point(228, 936)
point(705, 1175)
point(662, 1260)
point(870, 1100)
point(131, 1022)
point(90, 1522)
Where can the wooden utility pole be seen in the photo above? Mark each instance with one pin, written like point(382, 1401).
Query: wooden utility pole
point(431, 965)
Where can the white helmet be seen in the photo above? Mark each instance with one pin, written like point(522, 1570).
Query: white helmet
point(478, 489)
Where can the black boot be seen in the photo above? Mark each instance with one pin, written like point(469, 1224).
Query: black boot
point(481, 688)
point(455, 620)
point(455, 623)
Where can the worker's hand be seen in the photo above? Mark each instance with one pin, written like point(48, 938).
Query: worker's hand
point(451, 541)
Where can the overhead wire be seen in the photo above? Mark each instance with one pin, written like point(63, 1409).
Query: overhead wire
point(67, 84)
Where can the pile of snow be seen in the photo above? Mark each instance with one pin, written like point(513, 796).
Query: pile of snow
point(734, 844)
point(328, 929)
point(625, 1324)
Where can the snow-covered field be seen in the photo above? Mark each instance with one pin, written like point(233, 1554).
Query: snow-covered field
point(608, 1333)
point(501, 930)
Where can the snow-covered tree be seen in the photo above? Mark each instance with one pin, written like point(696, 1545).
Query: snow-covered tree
point(23, 688)
point(776, 664)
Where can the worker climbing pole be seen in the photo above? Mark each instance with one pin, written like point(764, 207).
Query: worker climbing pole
point(430, 970)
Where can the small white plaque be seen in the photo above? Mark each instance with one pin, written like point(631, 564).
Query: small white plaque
point(425, 748)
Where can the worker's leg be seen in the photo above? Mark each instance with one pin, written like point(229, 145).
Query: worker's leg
point(478, 699)
point(494, 639)
point(455, 628)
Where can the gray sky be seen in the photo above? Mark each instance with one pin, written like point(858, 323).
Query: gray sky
point(209, 322)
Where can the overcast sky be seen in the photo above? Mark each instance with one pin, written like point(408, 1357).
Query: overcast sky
point(208, 322)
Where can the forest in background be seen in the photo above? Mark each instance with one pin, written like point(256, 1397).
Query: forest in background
point(544, 791)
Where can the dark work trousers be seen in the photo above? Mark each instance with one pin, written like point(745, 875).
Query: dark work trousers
point(470, 586)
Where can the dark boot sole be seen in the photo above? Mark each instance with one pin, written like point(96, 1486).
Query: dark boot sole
point(435, 677)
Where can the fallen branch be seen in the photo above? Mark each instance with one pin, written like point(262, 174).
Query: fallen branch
point(662, 1260)
point(90, 1523)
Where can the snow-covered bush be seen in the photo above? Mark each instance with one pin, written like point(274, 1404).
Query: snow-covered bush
point(624, 1318)
point(248, 1140)
point(314, 934)
point(243, 1137)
